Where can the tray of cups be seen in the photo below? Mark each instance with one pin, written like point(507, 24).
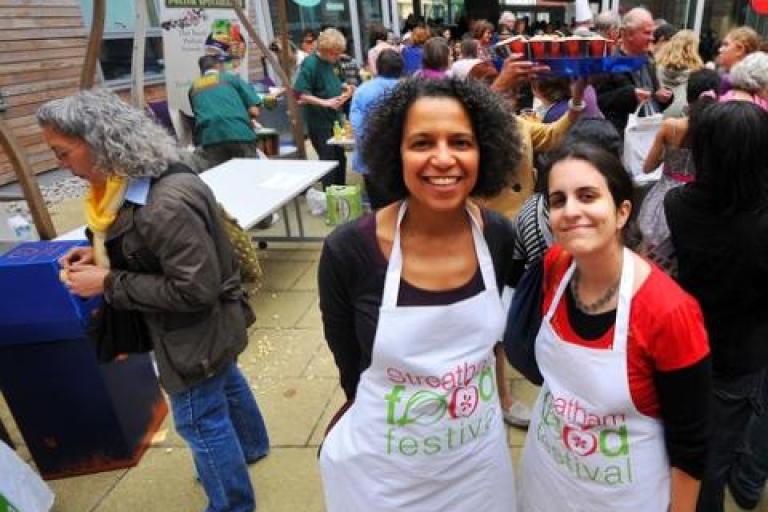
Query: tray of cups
point(583, 66)
point(570, 56)
point(553, 47)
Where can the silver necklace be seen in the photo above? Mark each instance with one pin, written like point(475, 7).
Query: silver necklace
point(599, 303)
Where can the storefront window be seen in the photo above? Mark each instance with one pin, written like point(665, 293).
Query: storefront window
point(369, 12)
point(117, 46)
point(674, 13)
point(314, 15)
point(722, 15)
point(434, 12)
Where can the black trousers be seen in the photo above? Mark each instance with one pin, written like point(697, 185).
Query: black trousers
point(735, 402)
point(319, 136)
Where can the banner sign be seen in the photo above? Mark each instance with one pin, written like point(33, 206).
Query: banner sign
point(191, 29)
point(205, 4)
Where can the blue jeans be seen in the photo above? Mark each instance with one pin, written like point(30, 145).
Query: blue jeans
point(221, 423)
point(736, 401)
point(750, 471)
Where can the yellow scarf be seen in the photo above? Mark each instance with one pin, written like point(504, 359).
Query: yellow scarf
point(101, 207)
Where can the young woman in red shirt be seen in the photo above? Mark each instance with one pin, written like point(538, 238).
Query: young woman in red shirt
point(621, 421)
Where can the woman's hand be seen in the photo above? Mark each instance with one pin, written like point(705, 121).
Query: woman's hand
point(516, 71)
point(577, 90)
point(86, 280)
point(76, 256)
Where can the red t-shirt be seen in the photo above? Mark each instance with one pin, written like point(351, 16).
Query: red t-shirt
point(666, 328)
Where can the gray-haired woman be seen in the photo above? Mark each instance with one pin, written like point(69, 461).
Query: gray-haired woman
point(158, 248)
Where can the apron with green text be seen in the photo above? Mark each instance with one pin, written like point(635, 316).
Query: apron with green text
point(425, 431)
point(588, 447)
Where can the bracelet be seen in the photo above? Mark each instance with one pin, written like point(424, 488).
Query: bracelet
point(576, 107)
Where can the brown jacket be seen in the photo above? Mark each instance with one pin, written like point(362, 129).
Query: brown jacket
point(181, 272)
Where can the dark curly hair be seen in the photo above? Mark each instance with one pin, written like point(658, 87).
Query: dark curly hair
point(494, 128)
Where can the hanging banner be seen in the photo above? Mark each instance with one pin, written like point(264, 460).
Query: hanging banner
point(191, 29)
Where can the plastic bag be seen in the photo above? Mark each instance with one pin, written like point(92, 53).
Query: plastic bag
point(316, 202)
point(344, 203)
point(21, 489)
point(638, 139)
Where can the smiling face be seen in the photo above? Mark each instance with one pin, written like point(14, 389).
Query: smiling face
point(72, 153)
point(638, 40)
point(730, 53)
point(440, 153)
point(582, 211)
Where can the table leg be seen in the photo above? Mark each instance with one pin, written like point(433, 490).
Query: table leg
point(299, 219)
point(287, 223)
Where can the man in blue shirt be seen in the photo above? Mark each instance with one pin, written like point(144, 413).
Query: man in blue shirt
point(389, 66)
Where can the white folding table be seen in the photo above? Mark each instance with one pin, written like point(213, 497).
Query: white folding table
point(251, 189)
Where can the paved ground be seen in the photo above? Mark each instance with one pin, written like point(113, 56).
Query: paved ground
point(295, 382)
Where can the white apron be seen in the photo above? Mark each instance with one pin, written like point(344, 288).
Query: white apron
point(425, 432)
point(588, 447)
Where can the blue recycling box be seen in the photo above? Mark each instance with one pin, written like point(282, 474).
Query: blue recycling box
point(76, 415)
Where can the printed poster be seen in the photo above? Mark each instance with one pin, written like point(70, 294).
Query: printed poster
point(191, 29)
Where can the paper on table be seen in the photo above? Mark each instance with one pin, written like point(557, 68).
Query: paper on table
point(281, 182)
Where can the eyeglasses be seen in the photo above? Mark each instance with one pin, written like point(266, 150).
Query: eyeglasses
point(62, 153)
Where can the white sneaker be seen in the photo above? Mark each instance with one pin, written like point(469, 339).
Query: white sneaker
point(518, 414)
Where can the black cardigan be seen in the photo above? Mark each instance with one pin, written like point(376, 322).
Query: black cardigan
point(723, 262)
point(351, 282)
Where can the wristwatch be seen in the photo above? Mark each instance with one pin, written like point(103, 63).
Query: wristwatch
point(576, 107)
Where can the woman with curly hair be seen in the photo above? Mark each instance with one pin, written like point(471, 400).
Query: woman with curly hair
point(411, 308)
point(159, 249)
point(675, 61)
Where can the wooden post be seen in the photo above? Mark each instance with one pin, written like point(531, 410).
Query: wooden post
point(94, 45)
point(137, 63)
point(297, 126)
point(28, 183)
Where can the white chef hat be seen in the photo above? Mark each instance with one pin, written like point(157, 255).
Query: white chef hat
point(583, 11)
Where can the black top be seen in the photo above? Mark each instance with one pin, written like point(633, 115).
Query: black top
point(351, 283)
point(723, 262)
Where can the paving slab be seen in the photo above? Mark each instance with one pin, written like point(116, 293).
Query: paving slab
point(281, 309)
point(311, 318)
point(292, 407)
point(288, 480)
point(335, 402)
point(283, 353)
point(84, 493)
point(308, 281)
point(163, 481)
point(281, 274)
point(322, 364)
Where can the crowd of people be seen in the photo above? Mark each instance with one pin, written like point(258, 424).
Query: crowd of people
point(483, 173)
point(656, 340)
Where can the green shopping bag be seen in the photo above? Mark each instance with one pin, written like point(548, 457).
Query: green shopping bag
point(344, 203)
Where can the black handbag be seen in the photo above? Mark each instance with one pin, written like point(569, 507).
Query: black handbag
point(523, 322)
point(114, 331)
point(117, 331)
